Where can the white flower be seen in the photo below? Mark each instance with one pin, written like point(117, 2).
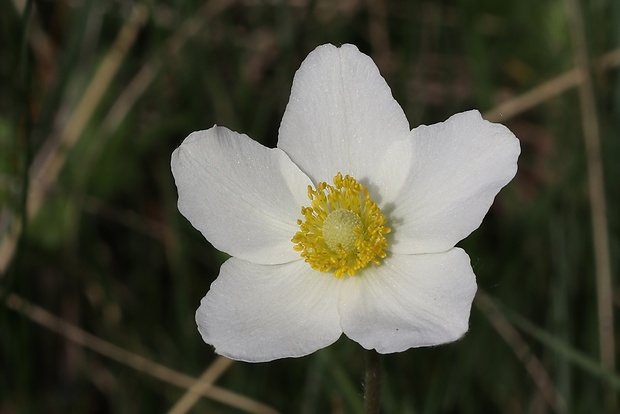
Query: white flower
point(349, 225)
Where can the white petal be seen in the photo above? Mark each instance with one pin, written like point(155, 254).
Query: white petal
point(341, 115)
point(409, 301)
point(259, 313)
point(391, 174)
point(458, 168)
point(243, 197)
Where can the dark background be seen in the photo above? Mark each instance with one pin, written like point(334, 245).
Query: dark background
point(95, 96)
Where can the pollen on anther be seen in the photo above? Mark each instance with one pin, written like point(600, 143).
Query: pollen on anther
point(343, 230)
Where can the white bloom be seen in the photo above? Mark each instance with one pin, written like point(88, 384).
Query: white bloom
point(345, 142)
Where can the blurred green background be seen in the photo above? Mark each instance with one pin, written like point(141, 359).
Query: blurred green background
point(95, 96)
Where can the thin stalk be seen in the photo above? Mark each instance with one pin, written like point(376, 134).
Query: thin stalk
point(139, 363)
point(372, 383)
point(602, 256)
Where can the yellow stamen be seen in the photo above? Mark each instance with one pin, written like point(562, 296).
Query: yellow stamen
point(344, 230)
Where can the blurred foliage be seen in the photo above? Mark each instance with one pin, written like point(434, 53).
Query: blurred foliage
point(109, 252)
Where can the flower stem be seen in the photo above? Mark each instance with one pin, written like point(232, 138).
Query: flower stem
point(372, 383)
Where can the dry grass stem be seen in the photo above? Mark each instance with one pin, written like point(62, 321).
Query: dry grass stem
point(609, 60)
point(8, 244)
point(41, 44)
point(208, 377)
point(591, 135)
point(548, 90)
point(50, 160)
point(537, 96)
point(135, 361)
point(143, 79)
point(546, 388)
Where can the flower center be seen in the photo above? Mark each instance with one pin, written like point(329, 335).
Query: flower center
point(344, 230)
point(339, 230)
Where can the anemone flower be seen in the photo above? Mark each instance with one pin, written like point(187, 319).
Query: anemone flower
point(349, 225)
